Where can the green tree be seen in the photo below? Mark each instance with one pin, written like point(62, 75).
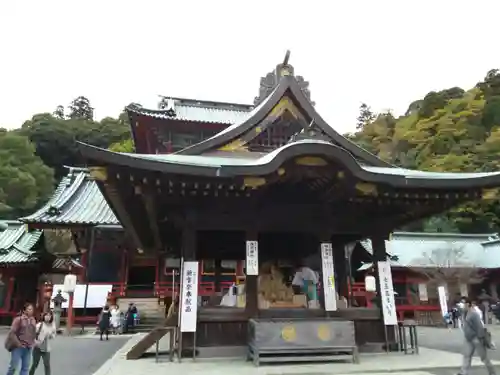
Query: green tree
point(59, 113)
point(366, 116)
point(25, 182)
point(55, 138)
point(80, 108)
point(124, 146)
point(447, 131)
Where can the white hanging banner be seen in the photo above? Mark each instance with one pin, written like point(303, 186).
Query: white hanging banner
point(443, 300)
point(252, 261)
point(387, 294)
point(189, 295)
point(328, 277)
point(464, 290)
point(422, 292)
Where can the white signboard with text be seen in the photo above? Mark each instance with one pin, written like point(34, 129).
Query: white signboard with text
point(328, 277)
point(97, 296)
point(422, 292)
point(252, 261)
point(443, 300)
point(387, 294)
point(189, 297)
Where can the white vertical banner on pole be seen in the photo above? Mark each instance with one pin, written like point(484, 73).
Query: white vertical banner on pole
point(422, 292)
point(189, 296)
point(328, 277)
point(387, 294)
point(252, 260)
point(443, 300)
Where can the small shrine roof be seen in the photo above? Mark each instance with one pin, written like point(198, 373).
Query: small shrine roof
point(17, 243)
point(195, 111)
point(76, 201)
point(440, 250)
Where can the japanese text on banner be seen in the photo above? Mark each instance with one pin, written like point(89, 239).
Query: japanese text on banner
point(252, 261)
point(387, 294)
point(329, 290)
point(189, 295)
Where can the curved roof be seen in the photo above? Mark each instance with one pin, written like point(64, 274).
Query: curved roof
point(76, 201)
point(219, 166)
point(196, 111)
point(16, 243)
point(287, 87)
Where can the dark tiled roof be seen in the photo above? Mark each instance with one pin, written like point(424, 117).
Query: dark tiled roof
point(16, 243)
point(197, 111)
point(76, 201)
point(66, 263)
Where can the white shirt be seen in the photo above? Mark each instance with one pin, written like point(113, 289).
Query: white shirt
point(305, 274)
point(478, 310)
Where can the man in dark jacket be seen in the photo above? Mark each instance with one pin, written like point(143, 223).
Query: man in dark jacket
point(474, 335)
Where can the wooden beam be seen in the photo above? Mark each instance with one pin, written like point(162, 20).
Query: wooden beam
point(115, 201)
point(149, 201)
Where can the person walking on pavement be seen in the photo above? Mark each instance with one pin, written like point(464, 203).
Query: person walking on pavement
point(476, 339)
point(104, 322)
point(45, 331)
point(20, 340)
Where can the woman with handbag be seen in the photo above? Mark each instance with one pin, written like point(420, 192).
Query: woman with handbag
point(20, 340)
point(45, 331)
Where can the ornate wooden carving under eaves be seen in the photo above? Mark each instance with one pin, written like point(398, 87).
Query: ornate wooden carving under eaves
point(269, 82)
point(312, 131)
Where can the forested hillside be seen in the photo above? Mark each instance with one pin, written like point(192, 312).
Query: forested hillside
point(451, 130)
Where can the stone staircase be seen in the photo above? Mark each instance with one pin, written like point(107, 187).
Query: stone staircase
point(151, 312)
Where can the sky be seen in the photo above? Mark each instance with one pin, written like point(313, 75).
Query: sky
point(385, 53)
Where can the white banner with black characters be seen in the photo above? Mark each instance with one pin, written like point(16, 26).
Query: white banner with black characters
point(189, 295)
point(329, 290)
point(252, 261)
point(387, 294)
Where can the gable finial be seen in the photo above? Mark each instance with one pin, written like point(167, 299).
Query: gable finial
point(287, 57)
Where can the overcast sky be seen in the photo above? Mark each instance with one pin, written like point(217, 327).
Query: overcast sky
point(384, 53)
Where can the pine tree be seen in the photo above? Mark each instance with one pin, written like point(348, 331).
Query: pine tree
point(366, 116)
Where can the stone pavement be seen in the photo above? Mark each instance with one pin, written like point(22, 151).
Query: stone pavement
point(429, 361)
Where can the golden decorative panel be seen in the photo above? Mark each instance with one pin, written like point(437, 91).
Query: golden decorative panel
point(311, 161)
point(288, 333)
point(240, 144)
point(324, 333)
point(236, 145)
point(99, 173)
point(366, 188)
point(490, 194)
point(281, 171)
point(254, 182)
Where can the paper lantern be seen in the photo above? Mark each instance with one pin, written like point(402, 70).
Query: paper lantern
point(69, 283)
point(370, 283)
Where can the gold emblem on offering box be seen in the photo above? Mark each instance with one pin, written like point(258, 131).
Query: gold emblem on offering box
point(288, 333)
point(324, 333)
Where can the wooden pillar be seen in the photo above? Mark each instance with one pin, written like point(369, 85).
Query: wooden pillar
point(251, 282)
point(379, 255)
point(341, 271)
point(189, 243)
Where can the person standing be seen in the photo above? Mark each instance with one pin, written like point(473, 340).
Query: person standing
point(20, 340)
point(476, 340)
point(45, 331)
point(104, 322)
point(131, 317)
point(115, 318)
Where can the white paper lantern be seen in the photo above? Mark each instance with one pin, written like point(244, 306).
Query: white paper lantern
point(69, 283)
point(370, 283)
